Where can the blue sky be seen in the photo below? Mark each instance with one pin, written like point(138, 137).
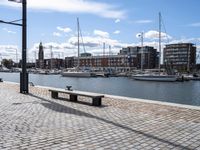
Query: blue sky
point(114, 22)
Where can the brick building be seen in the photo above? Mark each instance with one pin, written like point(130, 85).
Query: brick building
point(127, 58)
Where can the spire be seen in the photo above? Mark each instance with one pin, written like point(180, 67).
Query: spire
point(40, 43)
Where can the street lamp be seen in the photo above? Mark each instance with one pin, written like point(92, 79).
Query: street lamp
point(23, 74)
point(141, 35)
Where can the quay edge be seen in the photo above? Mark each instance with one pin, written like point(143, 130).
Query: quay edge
point(130, 99)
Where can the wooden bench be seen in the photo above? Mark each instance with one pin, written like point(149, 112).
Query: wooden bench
point(73, 95)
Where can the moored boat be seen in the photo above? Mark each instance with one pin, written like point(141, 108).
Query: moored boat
point(154, 77)
point(76, 74)
point(149, 77)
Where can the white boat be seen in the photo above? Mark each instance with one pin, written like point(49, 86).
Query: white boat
point(77, 72)
point(161, 78)
point(154, 77)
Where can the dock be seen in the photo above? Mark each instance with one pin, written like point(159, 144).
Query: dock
point(36, 121)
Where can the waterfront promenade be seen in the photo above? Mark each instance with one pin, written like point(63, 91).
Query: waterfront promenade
point(36, 121)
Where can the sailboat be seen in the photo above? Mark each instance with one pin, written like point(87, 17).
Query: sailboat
point(76, 72)
point(154, 77)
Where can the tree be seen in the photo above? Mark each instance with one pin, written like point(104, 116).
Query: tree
point(8, 63)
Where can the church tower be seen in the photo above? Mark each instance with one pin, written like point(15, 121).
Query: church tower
point(41, 56)
point(41, 52)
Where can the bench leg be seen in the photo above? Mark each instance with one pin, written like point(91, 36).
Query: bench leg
point(96, 101)
point(54, 94)
point(73, 98)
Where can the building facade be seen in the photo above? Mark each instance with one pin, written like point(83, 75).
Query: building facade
point(53, 63)
point(128, 58)
point(181, 56)
point(147, 56)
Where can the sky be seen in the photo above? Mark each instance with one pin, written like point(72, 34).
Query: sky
point(114, 22)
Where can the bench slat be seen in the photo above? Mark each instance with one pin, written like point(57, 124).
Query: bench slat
point(81, 93)
point(96, 98)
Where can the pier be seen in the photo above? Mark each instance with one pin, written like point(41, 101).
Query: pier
point(36, 121)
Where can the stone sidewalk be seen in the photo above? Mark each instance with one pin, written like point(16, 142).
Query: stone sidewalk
point(36, 121)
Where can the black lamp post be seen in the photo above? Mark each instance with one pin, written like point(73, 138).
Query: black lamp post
point(23, 74)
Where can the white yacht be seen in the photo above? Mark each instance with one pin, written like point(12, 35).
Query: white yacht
point(77, 72)
point(154, 77)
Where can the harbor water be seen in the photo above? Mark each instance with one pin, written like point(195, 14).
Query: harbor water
point(175, 92)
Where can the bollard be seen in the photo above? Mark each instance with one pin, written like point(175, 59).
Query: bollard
point(31, 84)
point(69, 88)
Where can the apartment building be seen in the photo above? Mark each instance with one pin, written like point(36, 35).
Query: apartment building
point(180, 56)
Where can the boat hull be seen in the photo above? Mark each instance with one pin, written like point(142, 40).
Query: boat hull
point(76, 74)
point(155, 78)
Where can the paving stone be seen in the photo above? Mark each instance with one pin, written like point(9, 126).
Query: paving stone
point(36, 121)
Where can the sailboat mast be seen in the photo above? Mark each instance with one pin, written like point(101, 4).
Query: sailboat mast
point(78, 65)
point(142, 40)
point(159, 41)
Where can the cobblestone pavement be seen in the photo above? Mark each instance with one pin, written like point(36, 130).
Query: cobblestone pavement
point(36, 121)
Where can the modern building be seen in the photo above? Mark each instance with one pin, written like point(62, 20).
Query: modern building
point(129, 50)
point(149, 59)
point(148, 56)
point(86, 54)
point(180, 56)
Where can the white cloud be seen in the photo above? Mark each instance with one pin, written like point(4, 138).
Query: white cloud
point(74, 6)
point(143, 21)
point(186, 40)
point(116, 32)
point(66, 30)
point(9, 52)
point(93, 44)
point(117, 20)
point(102, 34)
point(197, 24)
point(57, 34)
point(152, 34)
point(9, 31)
point(11, 47)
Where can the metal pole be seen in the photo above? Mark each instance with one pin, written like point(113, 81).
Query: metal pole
point(51, 57)
point(78, 65)
point(159, 41)
point(24, 75)
point(16, 56)
point(188, 59)
point(35, 60)
point(142, 39)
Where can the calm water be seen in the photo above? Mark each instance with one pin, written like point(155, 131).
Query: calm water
point(178, 92)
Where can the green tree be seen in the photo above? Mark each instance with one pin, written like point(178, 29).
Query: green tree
point(8, 63)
